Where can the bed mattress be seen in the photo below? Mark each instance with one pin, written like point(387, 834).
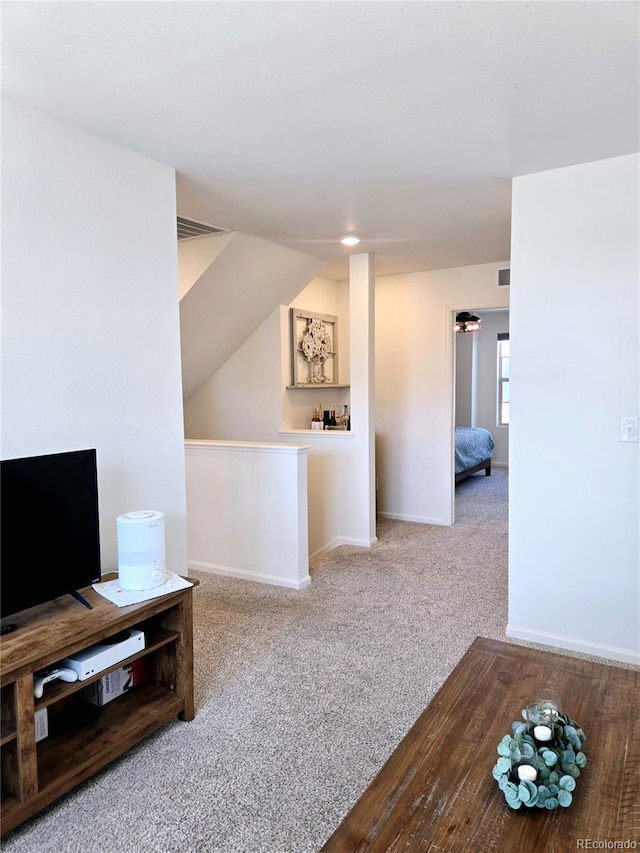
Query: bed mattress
point(473, 445)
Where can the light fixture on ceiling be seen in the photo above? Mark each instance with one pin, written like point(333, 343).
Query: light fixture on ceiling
point(466, 322)
point(350, 240)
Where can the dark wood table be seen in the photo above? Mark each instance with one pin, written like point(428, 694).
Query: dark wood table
point(436, 791)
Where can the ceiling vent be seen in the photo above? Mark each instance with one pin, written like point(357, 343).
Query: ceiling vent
point(191, 228)
point(504, 277)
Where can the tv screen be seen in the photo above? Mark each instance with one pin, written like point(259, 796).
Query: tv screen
point(50, 540)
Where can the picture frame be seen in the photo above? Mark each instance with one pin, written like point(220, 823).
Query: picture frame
point(314, 349)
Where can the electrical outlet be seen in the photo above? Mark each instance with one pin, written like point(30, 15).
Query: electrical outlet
point(628, 429)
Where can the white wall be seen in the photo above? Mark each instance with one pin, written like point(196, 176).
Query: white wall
point(195, 256)
point(574, 513)
point(247, 400)
point(90, 335)
point(464, 379)
point(414, 385)
point(235, 526)
point(242, 401)
point(361, 495)
point(245, 281)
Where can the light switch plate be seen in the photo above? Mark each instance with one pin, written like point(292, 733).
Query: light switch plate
point(628, 429)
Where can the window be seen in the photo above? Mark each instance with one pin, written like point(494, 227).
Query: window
point(503, 379)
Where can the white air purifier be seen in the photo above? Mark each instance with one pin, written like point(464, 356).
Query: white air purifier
point(141, 554)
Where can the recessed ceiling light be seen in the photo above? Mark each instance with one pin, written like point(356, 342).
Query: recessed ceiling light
point(351, 240)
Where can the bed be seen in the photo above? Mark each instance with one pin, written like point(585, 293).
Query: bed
point(474, 446)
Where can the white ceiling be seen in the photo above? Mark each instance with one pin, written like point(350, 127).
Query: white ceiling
point(301, 121)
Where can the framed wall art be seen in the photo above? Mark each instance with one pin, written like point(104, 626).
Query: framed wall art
point(314, 349)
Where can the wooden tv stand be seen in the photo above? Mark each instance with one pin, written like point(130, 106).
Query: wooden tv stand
point(84, 738)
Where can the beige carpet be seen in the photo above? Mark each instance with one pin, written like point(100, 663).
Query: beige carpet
point(300, 696)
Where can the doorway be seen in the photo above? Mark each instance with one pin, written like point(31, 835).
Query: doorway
point(481, 398)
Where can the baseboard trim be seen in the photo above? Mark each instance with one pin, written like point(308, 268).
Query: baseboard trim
point(574, 645)
point(247, 575)
point(416, 519)
point(343, 540)
point(359, 543)
point(328, 546)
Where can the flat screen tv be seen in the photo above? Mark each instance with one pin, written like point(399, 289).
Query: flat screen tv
point(50, 537)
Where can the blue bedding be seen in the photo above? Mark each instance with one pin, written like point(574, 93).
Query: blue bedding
point(473, 445)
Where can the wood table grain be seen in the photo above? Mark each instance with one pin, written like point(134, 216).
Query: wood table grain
point(436, 791)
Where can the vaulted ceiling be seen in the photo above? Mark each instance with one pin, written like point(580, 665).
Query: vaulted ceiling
point(299, 122)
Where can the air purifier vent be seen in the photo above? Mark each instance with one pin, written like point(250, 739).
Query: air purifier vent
point(191, 228)
point(504, 277)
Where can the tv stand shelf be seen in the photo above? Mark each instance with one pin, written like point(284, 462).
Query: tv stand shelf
point(82, 737)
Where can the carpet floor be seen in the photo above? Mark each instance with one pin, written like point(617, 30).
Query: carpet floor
point(300, 696)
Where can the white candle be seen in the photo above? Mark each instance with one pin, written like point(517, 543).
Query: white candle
point(526, 771)
point(542, 733)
